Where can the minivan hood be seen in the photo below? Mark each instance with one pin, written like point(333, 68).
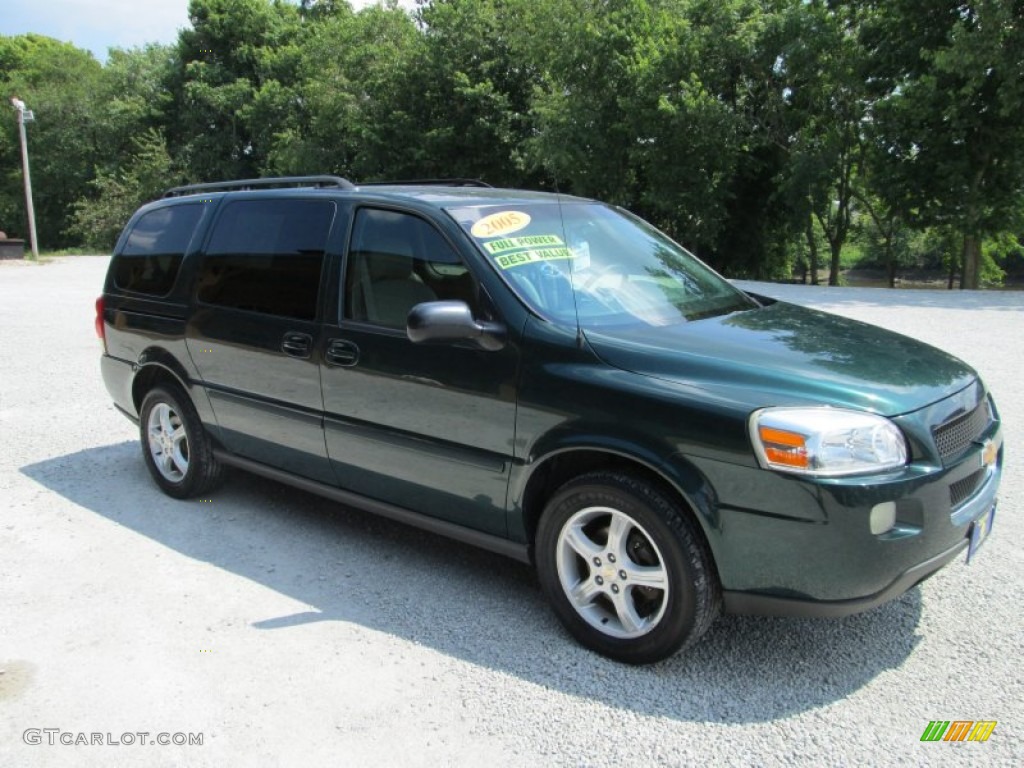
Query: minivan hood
point(783, 354)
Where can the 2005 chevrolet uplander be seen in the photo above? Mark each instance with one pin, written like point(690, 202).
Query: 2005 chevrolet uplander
point(553, 379)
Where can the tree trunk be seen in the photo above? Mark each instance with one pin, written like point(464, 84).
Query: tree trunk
point(836, 247)
point(812, 247)
point(888, 234)
point(835, 232)
point(890, 261)
point(970, 277)
point(952, 275)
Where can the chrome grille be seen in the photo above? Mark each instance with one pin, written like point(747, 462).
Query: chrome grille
point(954, 436)
point(962, 490)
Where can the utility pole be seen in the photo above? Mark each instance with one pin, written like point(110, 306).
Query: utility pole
point(26, 116)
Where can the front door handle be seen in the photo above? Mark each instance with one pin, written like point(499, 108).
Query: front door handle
point(341, 352)
point(297, 344)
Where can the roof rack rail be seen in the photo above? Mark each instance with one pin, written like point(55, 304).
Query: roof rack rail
point(428, 183)
point(272, 181)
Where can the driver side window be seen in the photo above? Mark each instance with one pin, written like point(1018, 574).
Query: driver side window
point(396, 261)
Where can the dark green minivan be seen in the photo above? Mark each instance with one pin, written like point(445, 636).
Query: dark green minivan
point(555, 380)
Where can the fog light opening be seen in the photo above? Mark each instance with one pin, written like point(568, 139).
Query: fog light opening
point(883, 517)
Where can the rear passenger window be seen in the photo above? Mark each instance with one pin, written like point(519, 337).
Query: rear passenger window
point(266, 256)
point(152, 255)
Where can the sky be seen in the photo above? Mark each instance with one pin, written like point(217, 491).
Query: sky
point(97, 25)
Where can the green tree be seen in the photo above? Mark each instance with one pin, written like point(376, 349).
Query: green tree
point(949, 114)
point(232, 88)
point(583, 51)
point(63, 86)
point(666, 107)
point(133, 100)
point(888, 235)
point(356, 112)
point(471, 90)
point(97, 220)
point(827, 102)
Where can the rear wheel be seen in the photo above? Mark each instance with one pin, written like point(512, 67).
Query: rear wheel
point(176, 448)
point(627, 572)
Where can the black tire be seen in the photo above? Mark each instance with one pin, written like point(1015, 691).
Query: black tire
point(170, 451)
point(652, 541)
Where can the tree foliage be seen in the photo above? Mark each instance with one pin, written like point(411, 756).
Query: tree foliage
point(761, 133)
point(97, 220)
point(62, 85)
point(948, 79)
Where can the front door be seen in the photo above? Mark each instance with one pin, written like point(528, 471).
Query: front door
point(428, 427)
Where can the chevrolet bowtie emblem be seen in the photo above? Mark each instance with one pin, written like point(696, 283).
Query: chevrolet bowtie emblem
point(989, 453)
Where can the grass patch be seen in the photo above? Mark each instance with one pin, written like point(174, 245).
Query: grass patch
point(70, 252)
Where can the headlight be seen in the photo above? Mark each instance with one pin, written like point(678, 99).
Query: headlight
point(826, 441)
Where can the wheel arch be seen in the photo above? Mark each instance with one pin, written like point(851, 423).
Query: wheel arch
point(679, 480)
point(152, 374)
point(157, 366)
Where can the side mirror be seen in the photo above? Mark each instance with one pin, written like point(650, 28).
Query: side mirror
point(452, 321)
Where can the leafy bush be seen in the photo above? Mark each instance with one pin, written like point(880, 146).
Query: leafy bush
point(98, 219)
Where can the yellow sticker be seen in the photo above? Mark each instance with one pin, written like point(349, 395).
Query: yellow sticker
point(503, 223)
point(515, 243)
point(509, 260)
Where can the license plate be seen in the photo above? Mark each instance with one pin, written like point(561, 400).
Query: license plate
point(979, 531)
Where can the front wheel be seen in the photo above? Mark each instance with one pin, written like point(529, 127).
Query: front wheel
point(626, 571)
point(177, 450)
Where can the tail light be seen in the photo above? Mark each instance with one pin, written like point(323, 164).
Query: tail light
point(101, 331)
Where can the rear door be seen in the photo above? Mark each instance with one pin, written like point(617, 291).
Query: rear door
point(428, 427)
point(254, 331)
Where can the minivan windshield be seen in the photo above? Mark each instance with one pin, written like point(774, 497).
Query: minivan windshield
point(596, 265)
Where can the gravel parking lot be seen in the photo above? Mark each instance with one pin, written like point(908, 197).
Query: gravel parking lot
point(287, 630)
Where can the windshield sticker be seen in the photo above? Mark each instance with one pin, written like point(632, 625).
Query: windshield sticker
point(509, 260)
point(503, 223)
point(515, 243)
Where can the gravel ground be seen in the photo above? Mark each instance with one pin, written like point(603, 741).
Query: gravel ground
point(291, 631)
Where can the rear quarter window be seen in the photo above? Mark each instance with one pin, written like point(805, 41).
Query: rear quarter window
point(152, 255)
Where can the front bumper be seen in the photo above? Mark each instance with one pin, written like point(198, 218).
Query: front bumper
point(794, 546)
point(768, 605)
